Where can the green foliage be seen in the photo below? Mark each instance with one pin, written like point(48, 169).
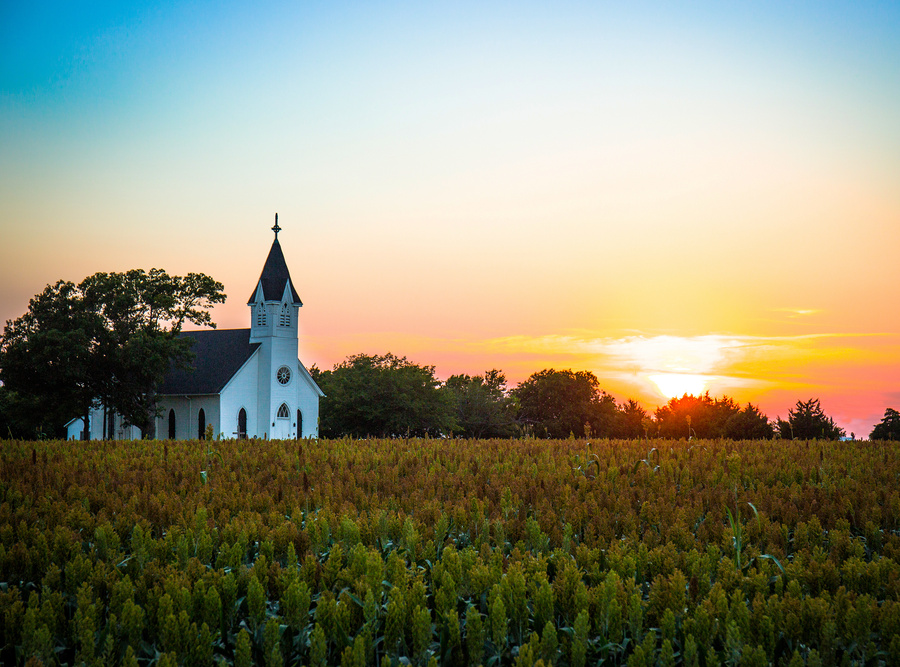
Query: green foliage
point(47, 358)
point(318, 647)
point(706, 417)
point(807, 421)
point(748, 424)
point(483, 407)
point(382, 395)
point(256, 602)
point(242, 654)
point(556, 403)
point(631, 420)
point(888, 428)
point(111, 338)
point(474, 635)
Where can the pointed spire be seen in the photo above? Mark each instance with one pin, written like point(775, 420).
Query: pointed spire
point(275, 275)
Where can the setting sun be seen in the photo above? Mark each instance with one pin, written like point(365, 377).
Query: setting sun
point(676, 385)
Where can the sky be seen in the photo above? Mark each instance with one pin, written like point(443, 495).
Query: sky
point(678, 197)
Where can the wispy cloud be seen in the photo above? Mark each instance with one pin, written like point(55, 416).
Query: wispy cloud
point(857, 371)
point(795, 313)
point(711, 353)
point(758, 358)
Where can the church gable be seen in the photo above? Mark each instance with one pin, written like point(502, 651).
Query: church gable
point(218, 355)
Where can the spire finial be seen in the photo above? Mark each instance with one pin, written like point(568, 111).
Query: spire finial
point(276, 228)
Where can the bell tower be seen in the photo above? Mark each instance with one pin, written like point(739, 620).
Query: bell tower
point(274, 312)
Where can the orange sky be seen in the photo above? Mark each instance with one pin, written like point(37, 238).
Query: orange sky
point(668, 197)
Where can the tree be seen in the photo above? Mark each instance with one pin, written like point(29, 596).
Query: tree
point(16, 422)
point(383, 396)
point(109, 340)
point(888, 428)
point(49, 357)
point(807, 421)
point(697, 416)
point(749, 424)
point(556, 404)
point(630, 420)
point(483, 407)
point(143, 313)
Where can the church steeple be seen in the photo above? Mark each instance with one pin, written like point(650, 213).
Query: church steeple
point(275, 275)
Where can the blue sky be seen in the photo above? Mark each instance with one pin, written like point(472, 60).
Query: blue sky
point(451, 179)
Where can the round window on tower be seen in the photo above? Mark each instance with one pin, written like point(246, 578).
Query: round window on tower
point(283, 375)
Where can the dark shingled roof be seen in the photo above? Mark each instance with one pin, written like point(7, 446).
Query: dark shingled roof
point(218, 355)
point(274, 276)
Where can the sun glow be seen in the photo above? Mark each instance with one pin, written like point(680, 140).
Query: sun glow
point(676, 385)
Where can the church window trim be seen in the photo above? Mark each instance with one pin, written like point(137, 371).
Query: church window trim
point(261, 315)
point(283, 376)
point(285, 320)
point(283, 411)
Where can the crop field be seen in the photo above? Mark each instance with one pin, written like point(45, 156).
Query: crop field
point(449, 552)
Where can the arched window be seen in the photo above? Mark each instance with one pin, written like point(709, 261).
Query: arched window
point(171, 424)
point(299, 424)
point(242, 423)
point(284, 412)
point(285, 320)
point(201, 424)
point(260, 315)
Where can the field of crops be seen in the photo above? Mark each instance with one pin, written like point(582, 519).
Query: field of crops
point(449, 552)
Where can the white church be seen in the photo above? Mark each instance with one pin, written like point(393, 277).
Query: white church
point(245, 383)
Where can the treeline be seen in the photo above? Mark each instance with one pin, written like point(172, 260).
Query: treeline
point(388, 396)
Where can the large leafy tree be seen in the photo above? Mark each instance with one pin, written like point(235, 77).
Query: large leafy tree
point(382, 396)
point(888, 428)
point(484, 408)
point(50, 358)
point(110, 339)
point(142, 314)
point(556, 404)
point(808, 421)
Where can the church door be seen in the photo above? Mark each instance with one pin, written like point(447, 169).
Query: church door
point(282, 428)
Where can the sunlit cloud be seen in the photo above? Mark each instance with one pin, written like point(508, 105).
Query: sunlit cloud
point(795, 313)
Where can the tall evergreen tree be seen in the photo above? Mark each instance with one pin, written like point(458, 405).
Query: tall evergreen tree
point(808, 421)
point(888, 428)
